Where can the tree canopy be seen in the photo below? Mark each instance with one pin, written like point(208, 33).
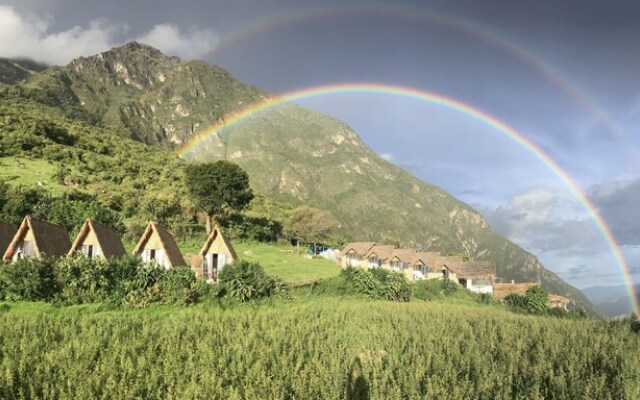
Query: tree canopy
point(218, 188)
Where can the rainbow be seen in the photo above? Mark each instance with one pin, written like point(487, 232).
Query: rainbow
point(257, 28)
point(446, 102)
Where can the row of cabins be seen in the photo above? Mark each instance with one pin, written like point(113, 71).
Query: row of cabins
point(37, 238)
point(477, 276)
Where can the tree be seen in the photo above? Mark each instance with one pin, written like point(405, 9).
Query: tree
point(218, 188)
point(310, 224)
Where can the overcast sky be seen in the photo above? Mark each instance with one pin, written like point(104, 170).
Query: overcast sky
point(562, 73)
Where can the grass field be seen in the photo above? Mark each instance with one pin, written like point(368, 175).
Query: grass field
point(278, 260)
point(311, 348)
point(30, 173)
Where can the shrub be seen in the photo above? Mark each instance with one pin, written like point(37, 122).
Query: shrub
point(244, 281)
point(376, 283)
point(28, 280)
point(428, 290)
point(449, 287)
point(84, 280)
point(537, 300)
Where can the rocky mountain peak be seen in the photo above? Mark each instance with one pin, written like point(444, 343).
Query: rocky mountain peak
point(136, 65)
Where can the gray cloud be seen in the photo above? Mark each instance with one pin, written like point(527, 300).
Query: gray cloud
point(542, 220)
point(619, 205)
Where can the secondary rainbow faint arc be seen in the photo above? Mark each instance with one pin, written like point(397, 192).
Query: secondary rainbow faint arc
point(474, 30)
point(447, 102)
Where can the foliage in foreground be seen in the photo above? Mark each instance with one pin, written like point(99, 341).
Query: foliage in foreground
point(78, 280)
point(315, 350)
point(244, 280)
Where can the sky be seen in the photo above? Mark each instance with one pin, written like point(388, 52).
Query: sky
point(563, 74)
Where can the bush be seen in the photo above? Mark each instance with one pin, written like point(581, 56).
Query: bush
point(28, 280)
point(376, 283)
point(244, 281)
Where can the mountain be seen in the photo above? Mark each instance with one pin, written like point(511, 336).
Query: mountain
point(14, 70)
point(292, 155)
point(614, 301)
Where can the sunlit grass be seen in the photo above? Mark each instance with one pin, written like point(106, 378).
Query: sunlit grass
point(30, 173)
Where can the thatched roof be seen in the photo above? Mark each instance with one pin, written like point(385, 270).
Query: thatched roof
point(475, 270)
point(429, 259)
point(360, 248)
point(216, 234)
point(108, 239)
point(557, 300)
point(404, 255)
point(382, 252)
point(168, 243)
point(7, 232)
point(502, 290)
point(49, 239)
point(451, 263)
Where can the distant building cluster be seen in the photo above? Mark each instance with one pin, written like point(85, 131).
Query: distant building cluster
point(477, 276)
point(38, 239)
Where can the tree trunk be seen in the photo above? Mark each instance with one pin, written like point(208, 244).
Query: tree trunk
point(209, 217)
point(297, 247)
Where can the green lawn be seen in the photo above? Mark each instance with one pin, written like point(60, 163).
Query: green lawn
point(30, 173)
point(278, 260)
point(283, 262)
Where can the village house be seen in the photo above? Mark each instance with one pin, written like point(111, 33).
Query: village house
point(95, 240)
point(477, 276)
point(424, 266)
point(400, 261)
point(7, 232)
point(502, 290)
point(353, 254)
point(377, 256)
point(557, 301)
point(38, 239)
point(158, 246)
point(214, 255)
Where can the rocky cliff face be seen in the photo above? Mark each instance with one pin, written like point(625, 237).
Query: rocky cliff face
point(291, 154)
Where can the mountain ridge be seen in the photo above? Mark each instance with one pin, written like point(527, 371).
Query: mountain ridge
point(293, 155)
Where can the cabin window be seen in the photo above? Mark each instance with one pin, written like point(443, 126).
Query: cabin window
point(373, 262)
point(212, 264)
point(418, 272)
point(90, 251)
point(397, 265)
point(26, 249)
point(352, 260)
point(445, 273)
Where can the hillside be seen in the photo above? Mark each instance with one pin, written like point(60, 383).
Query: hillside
point(292, 155)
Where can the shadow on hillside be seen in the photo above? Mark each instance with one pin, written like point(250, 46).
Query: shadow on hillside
point(357, 386)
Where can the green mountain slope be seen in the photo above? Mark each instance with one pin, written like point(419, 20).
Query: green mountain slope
point(292, 155)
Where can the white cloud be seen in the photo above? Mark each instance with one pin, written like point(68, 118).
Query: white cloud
point(168, 38)
point(31, 36)
point(387, 156)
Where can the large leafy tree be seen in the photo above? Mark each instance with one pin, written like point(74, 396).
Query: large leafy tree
point(310, 224)
point(218, 188)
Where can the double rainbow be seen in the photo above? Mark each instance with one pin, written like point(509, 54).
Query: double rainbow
point(449, 103)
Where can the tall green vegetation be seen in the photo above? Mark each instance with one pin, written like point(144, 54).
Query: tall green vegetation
point(312, 350)
point(217, 189)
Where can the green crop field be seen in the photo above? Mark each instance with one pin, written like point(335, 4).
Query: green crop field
point(324, 348)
